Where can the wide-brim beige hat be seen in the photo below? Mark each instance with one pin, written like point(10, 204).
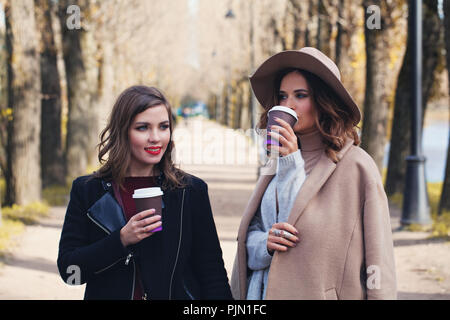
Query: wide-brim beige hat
point(309, 59)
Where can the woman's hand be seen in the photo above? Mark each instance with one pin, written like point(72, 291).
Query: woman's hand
point(139, 227)
point(282, 236)
point(285, 135)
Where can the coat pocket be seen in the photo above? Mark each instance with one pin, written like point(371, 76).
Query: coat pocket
point(331, 294)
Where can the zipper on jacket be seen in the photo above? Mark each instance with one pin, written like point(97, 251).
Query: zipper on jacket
point(134, 275)
point(98, 224)
point(101, 270)
point(127, 258)
point(187, 291)
point(179, 246)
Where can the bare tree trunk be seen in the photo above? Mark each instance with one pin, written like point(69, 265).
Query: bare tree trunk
point(311, 29)
point(378, 80)
point(245, 119)
point(300, 17)
point(52, 162)
point(82, 76)
point(24, 177)
point(3, 106)
point(444, 203)
point(346, 25)
point(327, 27)
point(401, 124)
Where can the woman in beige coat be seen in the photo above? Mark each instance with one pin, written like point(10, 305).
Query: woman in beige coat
point(335, 240)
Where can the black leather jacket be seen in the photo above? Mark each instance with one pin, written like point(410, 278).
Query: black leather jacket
point(90, 241)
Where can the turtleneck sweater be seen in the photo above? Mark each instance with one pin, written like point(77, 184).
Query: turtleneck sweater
point(291, 172)
point(311, 147)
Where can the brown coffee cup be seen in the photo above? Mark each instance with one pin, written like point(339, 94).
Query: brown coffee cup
point(284, 113)
point(149, 198)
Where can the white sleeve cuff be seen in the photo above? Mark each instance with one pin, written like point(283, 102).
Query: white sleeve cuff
point(292, 159)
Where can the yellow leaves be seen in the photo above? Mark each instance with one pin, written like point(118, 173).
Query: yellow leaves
point(56, 195)
point(441, 223)
point(27, 214)
point(8, 229)
point(7, 114)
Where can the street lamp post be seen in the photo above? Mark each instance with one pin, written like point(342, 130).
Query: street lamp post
point(415, 198)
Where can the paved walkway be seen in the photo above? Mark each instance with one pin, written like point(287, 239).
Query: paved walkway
point(29, 272)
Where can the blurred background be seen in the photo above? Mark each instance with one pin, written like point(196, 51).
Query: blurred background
point(63, 63)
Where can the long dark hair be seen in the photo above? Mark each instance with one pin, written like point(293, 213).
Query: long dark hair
point(334, 119)
point(114, 138)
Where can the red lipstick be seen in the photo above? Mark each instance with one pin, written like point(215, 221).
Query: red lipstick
point(153, 150)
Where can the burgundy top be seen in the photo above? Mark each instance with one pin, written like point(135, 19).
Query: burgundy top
point(130, 184)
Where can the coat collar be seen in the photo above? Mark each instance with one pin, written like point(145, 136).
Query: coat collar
point(317, 178)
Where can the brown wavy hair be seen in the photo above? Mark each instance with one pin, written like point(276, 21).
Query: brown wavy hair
point(334, 119)
point(114, 139)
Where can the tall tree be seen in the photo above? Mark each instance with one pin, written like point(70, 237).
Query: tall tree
point(299, 13)
point(23, 173)
point(327, 27)
point(79, 50)
point(401, 125)
point(3, 98)
point(52, 163)
point(311, 29)
point(444, 203)
point(378, 77)
point(3, 108)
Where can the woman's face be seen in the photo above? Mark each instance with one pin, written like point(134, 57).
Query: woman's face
point(295, 94)
point(149, 136)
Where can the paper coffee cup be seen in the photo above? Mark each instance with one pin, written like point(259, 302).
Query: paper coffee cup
point(149, 198)
point(284, 113)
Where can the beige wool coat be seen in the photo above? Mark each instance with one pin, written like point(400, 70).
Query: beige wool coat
point(345, 250)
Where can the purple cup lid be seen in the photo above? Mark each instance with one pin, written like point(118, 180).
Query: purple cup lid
point(285, 109)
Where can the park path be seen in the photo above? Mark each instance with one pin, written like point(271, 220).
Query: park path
point(30, 272)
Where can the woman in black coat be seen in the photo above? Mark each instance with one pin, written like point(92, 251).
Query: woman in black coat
point(111, 247)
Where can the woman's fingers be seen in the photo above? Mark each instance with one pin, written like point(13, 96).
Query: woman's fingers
point(271, 246)
point(281, 241)
point(143, 214)
point(280, 131)
point(285, 226)
point(152, 226)
point(284, 237)
point(285, 125)
point(148, 221)
point(278, 137)
point(286, 137)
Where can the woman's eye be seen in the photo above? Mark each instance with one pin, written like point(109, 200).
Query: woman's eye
point(301, 95)
point(281, 97)
point(141, 128)
point(165, 126)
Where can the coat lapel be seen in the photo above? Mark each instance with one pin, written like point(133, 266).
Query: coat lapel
point(317, 178)
point(254, 202)
point(249, 212)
